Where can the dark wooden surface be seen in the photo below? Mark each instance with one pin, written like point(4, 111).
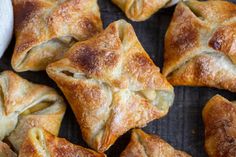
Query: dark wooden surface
point(182, 127)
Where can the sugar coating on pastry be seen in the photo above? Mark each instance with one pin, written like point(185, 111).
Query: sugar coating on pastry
point(140, 10)
point(45, 30)
point(112, 85)
point(219, 116)
point(200, 45)
point(24, 105)
point(39, 142)
point(146, 145)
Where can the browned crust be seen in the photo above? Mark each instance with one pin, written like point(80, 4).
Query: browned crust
point(55, 146)
point(12, 86)
point(18, 95)
point(219, 116)
point(14, 95)
point(145, 145)
point(98, 57)
point(213, 11)
point(140, 10)
point(5, 150)
point(113, 68)
point(198, 34)
point(223, 40)
point(39, 21)
point(181, 43)
point(204, 70)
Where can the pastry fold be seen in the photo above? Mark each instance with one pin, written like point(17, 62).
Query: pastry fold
point(5, 150)
point(39, 142)
point(219, 116)
point(45, 29)
point(24, 105)
point(140, 10)
point(200, 45)
point(112, 85)
point(145, 145)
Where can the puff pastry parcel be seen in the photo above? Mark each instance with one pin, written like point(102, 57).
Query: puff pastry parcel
point(140, 10)
point(219, 116)
point(145, 145)
point(5, 150)
point(39, 142)
point(24, 105)
point(112, 85)
point(200, 45)
point(45, 29)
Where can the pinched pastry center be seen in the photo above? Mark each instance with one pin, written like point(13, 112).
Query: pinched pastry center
point(140, 10)
point(38, 140)
point(195, 11)
point(161, 99)
point(136, 9)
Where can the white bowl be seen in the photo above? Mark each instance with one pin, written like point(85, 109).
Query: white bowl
point(6, 24)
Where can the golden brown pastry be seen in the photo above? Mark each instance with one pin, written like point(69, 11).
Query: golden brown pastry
point(112, 85)
point(145, 145)
point(45, 29)
point(219, 116)
point(24, 105)
point(40, 143)
point(140, 10)
point(200, 45)
point(5, 150)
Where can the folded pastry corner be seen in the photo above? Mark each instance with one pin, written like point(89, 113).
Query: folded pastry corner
point(112, 85)
point(200, 45)
point(219, 116)
point(39, 142)
point(46, 29)
point(5, 150)
point(24, 105)
point(145, 145)
point(140, 10)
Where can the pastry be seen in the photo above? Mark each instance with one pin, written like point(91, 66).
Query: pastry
point(39, 142)
point(200, 45)
point(5, 150)
point(145, 145)
point(46, 29)
point(24, 105)
point(112, 85)
point(140, 10)
point(219, 116)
